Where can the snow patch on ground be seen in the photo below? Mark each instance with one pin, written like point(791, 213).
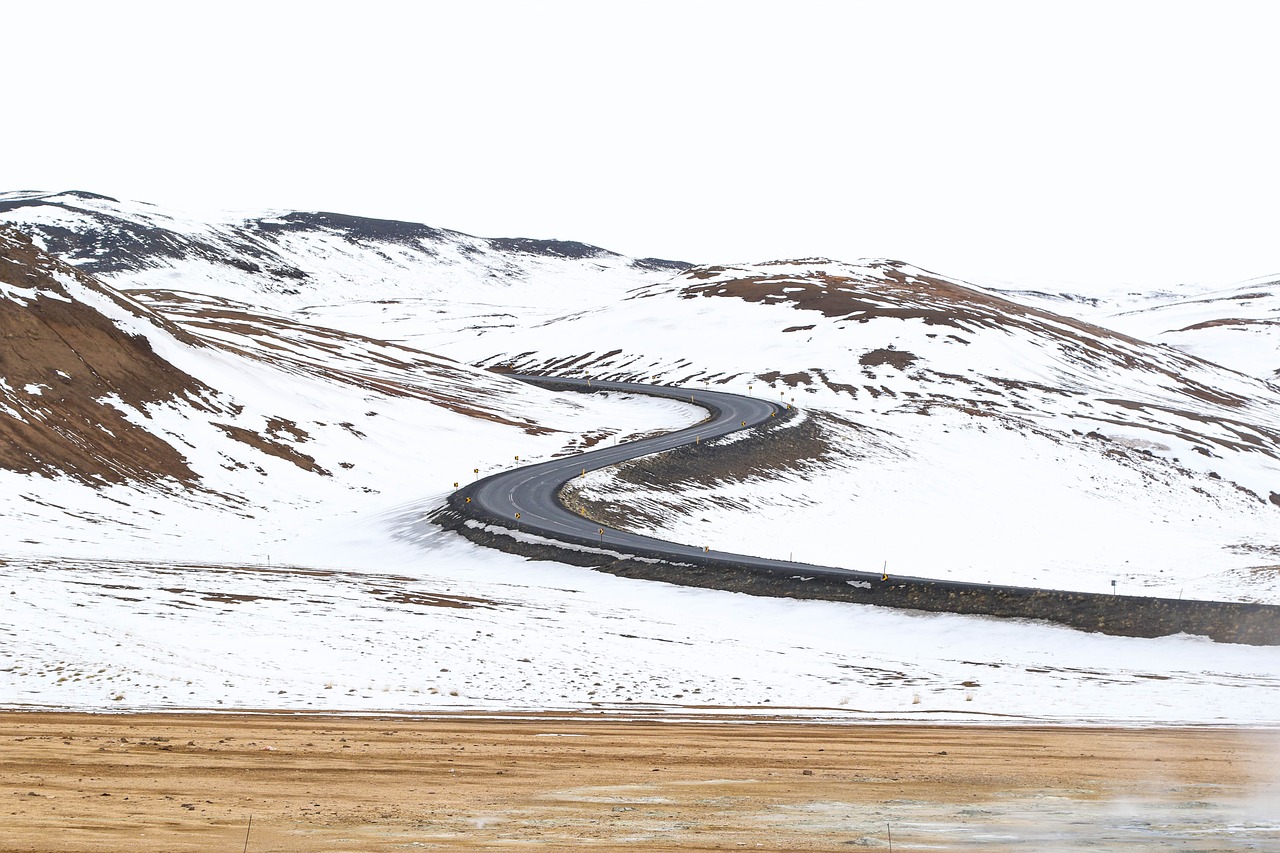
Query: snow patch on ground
point(443, 625)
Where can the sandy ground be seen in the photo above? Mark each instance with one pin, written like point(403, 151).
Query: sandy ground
point(74, 782)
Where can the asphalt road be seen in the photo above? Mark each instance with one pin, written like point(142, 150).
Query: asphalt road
point(525, 498)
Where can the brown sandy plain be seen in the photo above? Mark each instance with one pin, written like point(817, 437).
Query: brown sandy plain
point(166, 782)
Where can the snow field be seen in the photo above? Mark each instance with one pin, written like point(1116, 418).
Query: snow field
point(978, 507)
point(455, 627)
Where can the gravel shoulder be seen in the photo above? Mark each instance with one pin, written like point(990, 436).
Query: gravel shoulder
point(169, 782)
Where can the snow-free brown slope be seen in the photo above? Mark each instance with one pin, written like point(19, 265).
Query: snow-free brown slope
point(68, 376)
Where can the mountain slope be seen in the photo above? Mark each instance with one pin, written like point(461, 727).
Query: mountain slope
point(297, 257)
point(957, 432)
point(71, 375)
point(168, 431)
point(1238, 327)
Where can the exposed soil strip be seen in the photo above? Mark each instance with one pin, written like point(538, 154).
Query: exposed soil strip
point(143, 783)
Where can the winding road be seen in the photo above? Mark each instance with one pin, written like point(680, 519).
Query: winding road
point(532, 491)
point(519, 511)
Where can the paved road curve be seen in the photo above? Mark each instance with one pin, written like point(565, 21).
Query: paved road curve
point(531, 490)
point(525, 500)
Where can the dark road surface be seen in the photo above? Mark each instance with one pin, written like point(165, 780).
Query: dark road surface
point(525, 500)
point(531, 491)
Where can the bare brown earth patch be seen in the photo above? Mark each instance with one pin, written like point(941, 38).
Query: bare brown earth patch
point(63, 361)
point(791, 380)
point(894, 290)
point(892, 357)
point(271, 447)
point(1228, 321)
point(426, 599)
point(343, 357)
point(144, 783)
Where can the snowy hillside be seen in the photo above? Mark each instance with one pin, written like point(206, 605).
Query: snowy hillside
point(295, 259)
point(164, 433)
point(963, 435)
point(224, 435)
point(1238, 327)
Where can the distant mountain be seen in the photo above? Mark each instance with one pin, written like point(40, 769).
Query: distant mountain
point(288, 253)
point(1238, 327)
point(327, 264)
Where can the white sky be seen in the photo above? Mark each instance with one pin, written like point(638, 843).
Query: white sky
point(1086, 144)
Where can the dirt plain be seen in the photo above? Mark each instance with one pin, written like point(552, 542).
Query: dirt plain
point(170, 782)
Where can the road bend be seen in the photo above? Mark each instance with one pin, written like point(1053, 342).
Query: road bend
point(526, 498)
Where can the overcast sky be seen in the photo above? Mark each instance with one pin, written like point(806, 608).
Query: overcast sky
point(1084, 144)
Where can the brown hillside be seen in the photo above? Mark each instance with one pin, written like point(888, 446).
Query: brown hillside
point(60, 359)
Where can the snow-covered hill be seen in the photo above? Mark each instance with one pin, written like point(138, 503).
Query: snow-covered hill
point(160, 432)
point(224, 434)
point(1238, 327)
point(965, 435)
point(293, 259)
